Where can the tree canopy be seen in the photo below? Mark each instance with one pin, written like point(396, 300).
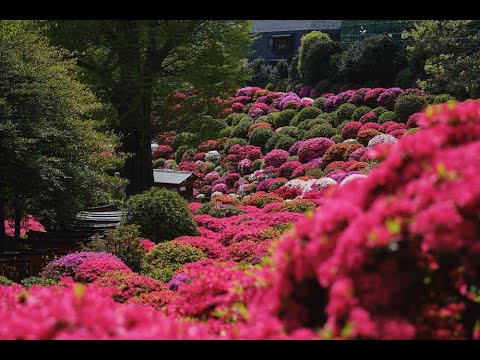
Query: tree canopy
point(131, 64)
point(51, 161)
point(450, 52)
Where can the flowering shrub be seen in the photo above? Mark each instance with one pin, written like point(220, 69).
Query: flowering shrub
point(129, 285)
point(260, 199)
point(276, 158)
point(247, 251)
point(166, 258)
point(276, 184)
point(313, 148)
point(413, 119)
point(372, 96)
point(162, 151)
point(340, 152)
point(237, 107)
point(147, 245)
point(286, 169)
point(382, 139)
point(294, 148)
point(287, 193)
point(75, 311)
point(68, 265)
point(213, 156)
point(210, 246)
point(350, 130)
point(257, 110)
point(214, 292)
point(302, 170)
point(258, 125)
point(222, 188)
point(219, 210)
point(93, 268)
point(367, 233)
point(364, 136)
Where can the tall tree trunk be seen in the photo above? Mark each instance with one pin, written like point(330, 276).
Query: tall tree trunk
point(17, 216)
point(134, 123)
point(3, 236)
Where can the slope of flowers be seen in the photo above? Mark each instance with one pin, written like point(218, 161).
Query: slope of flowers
point(391, 253)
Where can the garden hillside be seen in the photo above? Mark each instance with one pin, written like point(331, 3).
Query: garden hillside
point(357, 221)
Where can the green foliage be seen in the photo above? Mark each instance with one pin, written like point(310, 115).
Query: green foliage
point(284, 142)
point(234, 141)
point(123, 242)
point(50, 144)
point(5, 281)
point(282, 118)
point(282, 85)
point(282, 68)
point(337, 138)
point(227, 132)
point(299, 206)
point(161, 214)
point(319, 102)
point(369, 59)
point(185, 138)
point(379, 110)
point(293, 74)
point(180, 151)
point(219, 210)
point(409, 104)
point(442, 98)
point(209, 128)
point(404, 78)
point(344, 112)
point(168, 257)
point(314, 55)
point(359, 112)
point(189, 154)
point(258, 164)
point(263, 75)
point(132, 65)
point(320, 88)
point(159, 163)
point(287, 130)
point(387, 116)
point(241, 130)
point(260, 136)
point(449, 51)
point(39, 281)
point(310, 112)
point(234, 119)
point(272, 142)
point(322, 130)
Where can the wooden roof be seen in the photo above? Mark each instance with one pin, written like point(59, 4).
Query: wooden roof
point(162, 176)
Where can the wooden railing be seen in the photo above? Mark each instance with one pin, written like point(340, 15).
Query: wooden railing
point(20, 264)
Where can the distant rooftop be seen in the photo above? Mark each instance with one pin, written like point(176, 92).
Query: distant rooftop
point(260, 26)
point(170, 176)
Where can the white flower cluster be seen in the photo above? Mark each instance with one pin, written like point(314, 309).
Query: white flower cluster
point(352, 177)
point(215, 194)
point(213, 156)
point(382, 139)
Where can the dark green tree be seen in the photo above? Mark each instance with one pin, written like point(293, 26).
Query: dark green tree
point(51, 161)
point(370, 59)
point(314, 56)
point(130, 63)
point(450, 53)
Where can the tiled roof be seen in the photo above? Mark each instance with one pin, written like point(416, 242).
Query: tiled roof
point(293, 25)
point(170, 176)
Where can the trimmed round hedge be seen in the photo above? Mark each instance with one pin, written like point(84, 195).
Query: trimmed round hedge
point(161, 214)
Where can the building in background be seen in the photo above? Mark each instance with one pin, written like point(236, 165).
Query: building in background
point(354, 30)
point(280, 39)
